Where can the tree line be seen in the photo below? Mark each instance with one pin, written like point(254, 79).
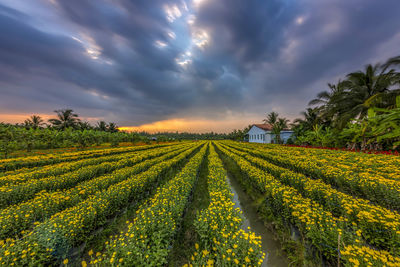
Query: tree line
point(66, 118)
point(68, 130)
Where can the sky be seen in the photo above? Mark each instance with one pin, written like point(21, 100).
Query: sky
point(184, 65)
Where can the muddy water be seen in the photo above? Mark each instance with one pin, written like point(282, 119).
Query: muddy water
point(270, 247)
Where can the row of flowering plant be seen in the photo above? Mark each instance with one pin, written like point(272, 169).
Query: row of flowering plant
point(19, 217)
point(149, 237)
point(380, 226)
point(17, 193)
point(371, 186)
point(375, 164)
point(53, 239)
point(315, 224)
point(222, 242)
point(41, 160)
point(60, 168)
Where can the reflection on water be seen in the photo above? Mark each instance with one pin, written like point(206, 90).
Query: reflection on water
point(270, 247)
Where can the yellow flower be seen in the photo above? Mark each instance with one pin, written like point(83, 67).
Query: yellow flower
point(84, 264)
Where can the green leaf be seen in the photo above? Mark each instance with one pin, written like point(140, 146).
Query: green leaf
point(371, 113)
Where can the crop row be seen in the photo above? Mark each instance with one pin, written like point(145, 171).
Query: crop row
point(16, 193)
point(222, 241)
point(380, 226)
point(385, 192)
point(149, 238)
point(20, 217)
point(386, 166)
point(60, 168)
point(383, 165)
point(34, 161)
point(53, 239)
point(317, 225)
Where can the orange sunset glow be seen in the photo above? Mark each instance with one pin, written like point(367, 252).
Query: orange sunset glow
point(189, 125)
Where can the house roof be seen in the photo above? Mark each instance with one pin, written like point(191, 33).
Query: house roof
point(264, 126)
point(268, 127)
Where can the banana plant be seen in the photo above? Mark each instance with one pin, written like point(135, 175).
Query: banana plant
point(386, 125)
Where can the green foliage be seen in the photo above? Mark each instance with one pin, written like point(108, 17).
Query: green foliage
point(360, 112)
point(386, 125)
point(14, 138)
point(8, 140)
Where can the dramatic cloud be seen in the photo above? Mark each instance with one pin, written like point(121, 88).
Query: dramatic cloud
point(174, 62)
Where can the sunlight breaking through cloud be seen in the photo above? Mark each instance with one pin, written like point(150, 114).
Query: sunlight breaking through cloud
point(172, 12)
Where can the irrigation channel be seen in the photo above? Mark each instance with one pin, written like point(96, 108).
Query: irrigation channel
point(270, 246)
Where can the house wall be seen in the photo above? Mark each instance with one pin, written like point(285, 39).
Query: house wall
point(257, 135)
point(268, 138)
point(285, 135)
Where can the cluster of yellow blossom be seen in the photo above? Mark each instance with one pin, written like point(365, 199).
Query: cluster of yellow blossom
point(365, 256)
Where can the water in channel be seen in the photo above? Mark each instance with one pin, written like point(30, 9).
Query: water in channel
point(270, 247)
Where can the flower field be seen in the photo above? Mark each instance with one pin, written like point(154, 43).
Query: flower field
point(342, 206)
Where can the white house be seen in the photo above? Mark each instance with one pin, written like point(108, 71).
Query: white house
point(262, 133)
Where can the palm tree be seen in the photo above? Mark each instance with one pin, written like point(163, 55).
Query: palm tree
point(34, 121)
point(362, 86)
point(112, 127)
point(350, 99)
point(324, 97)
point(387, 98)
point(65, 118)
point(310, 119)
point(278, 126)
point(84, 125)
point(327, 102)
point(101, 126)
point(272, 117)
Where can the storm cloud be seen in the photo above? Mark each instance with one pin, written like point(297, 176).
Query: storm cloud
point(138, 62)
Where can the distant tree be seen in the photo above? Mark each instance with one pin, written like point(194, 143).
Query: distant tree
point(299, 126)
point(277, 127)
point(84, 125)
point(272, 118)
point(112, 127)
point(386, 125)
point(34, 122)
point(66, 118)
point(101, 126)
point(8, 139)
